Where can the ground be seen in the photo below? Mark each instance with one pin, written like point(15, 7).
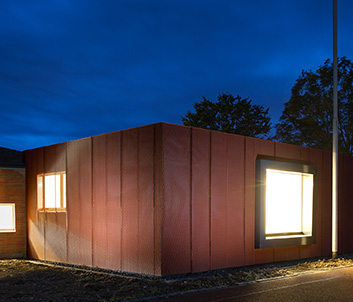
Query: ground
point(26, 280)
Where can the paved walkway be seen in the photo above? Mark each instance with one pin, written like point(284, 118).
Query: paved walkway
point(332, 285)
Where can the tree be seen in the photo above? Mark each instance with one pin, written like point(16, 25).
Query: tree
point(232, 115)
point(307, 117)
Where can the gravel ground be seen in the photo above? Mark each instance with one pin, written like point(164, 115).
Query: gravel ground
point(26, 280)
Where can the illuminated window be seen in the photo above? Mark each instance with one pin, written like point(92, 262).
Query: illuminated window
point(51, 191)
point(285, 204)
point(7, 217)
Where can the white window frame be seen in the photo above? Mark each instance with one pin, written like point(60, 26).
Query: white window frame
point(55, 200)
point(12, 219)
point(296, 223)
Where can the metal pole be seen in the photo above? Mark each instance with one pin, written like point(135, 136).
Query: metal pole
point(334, 139)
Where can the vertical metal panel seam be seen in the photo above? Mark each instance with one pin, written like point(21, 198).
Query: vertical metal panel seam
point(163, 195)
point(275, 154)
point(154, 199)
point(227, 199)
point(191, 146)
point(45, 213)
point(92, 252)
point(121, 200)
point(138, 201)
point(323, 208)
point(106, 192)
point(244, 203)
point(210, 206)
point(67, 208)
point(36, 182)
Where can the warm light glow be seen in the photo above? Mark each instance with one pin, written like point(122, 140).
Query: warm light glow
point(53, 191)
point(289, 203)
point(7, 217)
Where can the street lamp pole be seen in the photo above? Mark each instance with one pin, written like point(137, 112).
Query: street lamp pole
point(334, 139)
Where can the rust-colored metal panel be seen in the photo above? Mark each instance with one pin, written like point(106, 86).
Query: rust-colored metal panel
point(55, 237)
point(348, 201)
point(55, 223)
point(99, 191)
point(253, 148)
point(79, 201)
point(106, 215)
point(200, 200)
point(287, 151)
point(218, 200)
point(314, 250)
point(130, 202)
point(345, 207)
point(146, 215)
point(327, 204)
point(50, 159)
point(158, 182)
point(286, 253)
point(235, 200)
point(113, 151)
point(176, 246)
point(35, 221)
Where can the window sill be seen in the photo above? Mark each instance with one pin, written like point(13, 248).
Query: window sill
point(52, 211)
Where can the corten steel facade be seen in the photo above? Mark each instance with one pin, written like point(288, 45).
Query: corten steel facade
point(165, 199)
point(13, 191)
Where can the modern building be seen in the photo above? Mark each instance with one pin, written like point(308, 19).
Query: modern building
point(166, 199)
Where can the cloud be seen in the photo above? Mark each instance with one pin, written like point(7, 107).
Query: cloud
point(71, 69)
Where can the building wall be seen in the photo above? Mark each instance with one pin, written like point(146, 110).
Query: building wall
point(112, 202)
point(166, 199)
point(209, 210)
point(12, 190)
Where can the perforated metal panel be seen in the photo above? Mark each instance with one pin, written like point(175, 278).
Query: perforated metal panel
point(254, 147)
point(200, 200)
point(55, 223)
point(79, 201)
point(35, 220)
point(166, 199)
point(146, 201)
point(176, 246)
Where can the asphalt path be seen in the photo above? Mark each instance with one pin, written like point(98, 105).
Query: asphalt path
point(330, 285)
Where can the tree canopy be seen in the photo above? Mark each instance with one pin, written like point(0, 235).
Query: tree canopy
point(307, 117)
point(232, 115)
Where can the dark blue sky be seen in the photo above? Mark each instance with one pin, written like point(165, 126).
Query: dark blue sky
point(76, 68)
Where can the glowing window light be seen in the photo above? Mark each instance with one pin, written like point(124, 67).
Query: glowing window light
point(51, 191)
point(285, 203)
point(7, 217)
point(289, 201)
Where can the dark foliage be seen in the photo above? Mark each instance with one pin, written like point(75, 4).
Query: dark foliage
point(307, 116)
point(232, 115)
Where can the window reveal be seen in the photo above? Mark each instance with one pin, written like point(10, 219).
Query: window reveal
point(51, 191)
point(285, 204)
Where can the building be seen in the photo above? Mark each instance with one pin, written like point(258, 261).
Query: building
point(13, 236)
point(166, 199)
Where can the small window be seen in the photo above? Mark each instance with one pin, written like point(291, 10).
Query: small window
point(51, 191)
point(285, 204)
point(7, 217)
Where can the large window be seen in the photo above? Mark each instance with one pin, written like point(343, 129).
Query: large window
point(51, 191)
point(7, 217)
point(285, 204)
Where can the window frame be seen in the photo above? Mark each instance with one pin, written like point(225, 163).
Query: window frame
point(41, 192)
point(12, 230)
point(263, 240)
